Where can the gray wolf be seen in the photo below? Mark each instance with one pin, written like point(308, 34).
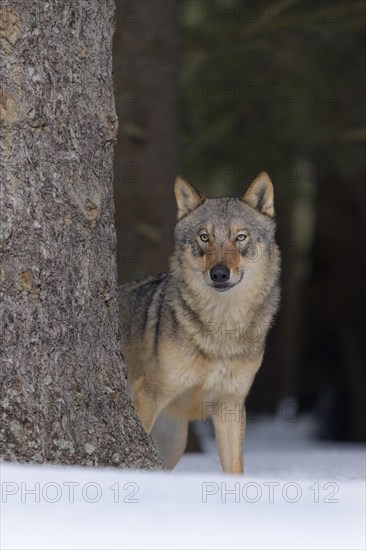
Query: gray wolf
point(193, 338)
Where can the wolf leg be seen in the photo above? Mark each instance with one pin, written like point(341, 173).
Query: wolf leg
point(147, 407)
point(149, 401)
point(230, 423)
point(170, 437)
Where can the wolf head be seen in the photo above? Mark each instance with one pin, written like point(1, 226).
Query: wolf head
point(228, 240)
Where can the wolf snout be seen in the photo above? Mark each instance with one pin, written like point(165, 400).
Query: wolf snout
point(220, 274)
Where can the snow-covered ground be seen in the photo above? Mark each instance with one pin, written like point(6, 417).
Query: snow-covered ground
point(296, 494)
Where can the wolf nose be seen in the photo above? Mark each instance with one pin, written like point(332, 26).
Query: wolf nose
point(220, 274)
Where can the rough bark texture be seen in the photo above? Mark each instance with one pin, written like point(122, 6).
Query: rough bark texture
point(64, 397)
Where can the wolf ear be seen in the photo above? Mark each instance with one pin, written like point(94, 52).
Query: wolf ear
point(260, 194)
point(187, 197)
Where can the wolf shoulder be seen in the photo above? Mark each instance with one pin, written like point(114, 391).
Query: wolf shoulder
point(137, 300)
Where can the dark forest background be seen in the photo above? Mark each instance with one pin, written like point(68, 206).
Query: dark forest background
point(219, 90)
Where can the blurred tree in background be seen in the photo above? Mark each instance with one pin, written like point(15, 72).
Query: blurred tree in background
point(278, 86)
point(146, 67)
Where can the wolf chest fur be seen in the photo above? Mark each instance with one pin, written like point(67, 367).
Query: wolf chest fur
point(193, 338)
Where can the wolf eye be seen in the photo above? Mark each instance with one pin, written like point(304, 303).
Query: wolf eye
point(204, 237)
point(241, 237)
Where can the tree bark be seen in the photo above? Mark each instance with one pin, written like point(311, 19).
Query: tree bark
point(64, 396)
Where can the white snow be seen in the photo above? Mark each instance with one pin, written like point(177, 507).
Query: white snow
point(296, 494)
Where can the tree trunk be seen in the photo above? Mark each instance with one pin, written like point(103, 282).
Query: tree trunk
point(64, 397)
point(146, 65)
